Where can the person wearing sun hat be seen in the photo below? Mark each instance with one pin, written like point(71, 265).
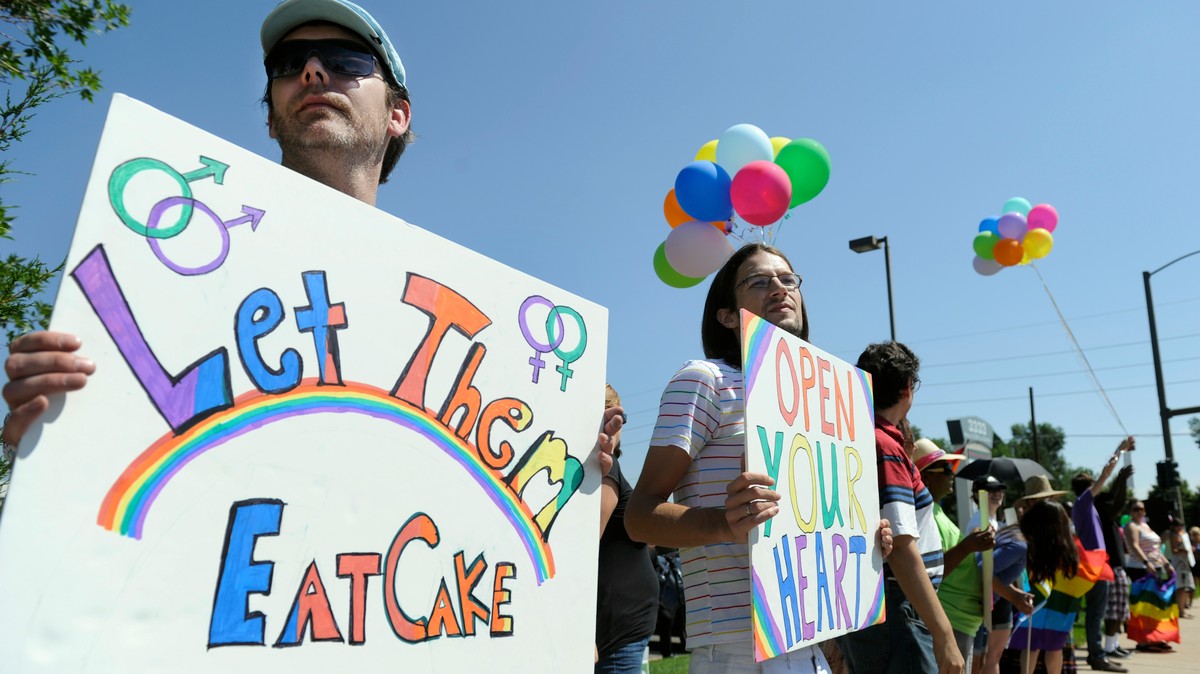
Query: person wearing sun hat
point(1037, 488)
point(961, 592)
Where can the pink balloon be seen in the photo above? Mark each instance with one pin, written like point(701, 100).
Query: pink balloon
point(761, 192)
point(1043, 216)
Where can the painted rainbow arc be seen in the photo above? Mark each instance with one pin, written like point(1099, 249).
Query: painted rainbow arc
point(130, 498)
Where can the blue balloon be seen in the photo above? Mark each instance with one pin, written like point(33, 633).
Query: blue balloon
point(991, 225)
point(702, 190)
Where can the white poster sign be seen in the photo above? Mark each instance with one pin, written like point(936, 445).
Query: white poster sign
point(816, 569)
point(318, 439)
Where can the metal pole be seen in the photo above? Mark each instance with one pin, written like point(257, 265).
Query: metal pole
point(1164, 412)
point(1033, 427)
point(887, 263)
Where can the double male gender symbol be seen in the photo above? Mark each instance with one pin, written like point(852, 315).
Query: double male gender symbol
point(556, 333)
point(153, 228)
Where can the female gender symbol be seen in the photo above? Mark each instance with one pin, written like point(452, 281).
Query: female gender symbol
point(538, 347)
point(570, 356)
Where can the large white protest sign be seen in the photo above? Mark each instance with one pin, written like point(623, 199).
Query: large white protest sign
point(815, 567)
point(318, 439)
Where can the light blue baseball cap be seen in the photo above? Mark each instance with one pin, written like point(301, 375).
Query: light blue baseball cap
point(290, 14)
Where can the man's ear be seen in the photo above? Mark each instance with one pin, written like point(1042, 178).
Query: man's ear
point(729, 318)
point(271, 122)
point(400, 120)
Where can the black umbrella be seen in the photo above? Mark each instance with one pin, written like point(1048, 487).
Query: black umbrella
point(1003, 468)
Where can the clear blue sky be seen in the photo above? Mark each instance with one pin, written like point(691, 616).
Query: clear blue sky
point(549, 134)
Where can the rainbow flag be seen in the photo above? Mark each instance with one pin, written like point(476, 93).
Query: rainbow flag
point(1153, 613)
point(1056, 605)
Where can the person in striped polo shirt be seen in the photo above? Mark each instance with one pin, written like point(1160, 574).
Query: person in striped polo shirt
point(697, 454)
point(917, 636)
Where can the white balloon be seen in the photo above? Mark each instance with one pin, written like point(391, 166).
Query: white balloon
point(742, 144)
point(697, 249)
point(986, 267)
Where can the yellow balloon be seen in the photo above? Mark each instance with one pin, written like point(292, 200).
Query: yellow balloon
point(1025, 259)
point(778, 142)
point(1038, 243)
point(708, 152)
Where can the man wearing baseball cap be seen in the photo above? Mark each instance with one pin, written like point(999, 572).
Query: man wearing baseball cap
point(338, 105)
point(336, 96)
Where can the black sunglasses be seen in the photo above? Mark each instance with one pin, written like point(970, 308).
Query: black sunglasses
point(344, 57)
point(943, 468)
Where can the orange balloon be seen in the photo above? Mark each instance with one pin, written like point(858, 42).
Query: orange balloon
point(674, 212)
point(1008, 252)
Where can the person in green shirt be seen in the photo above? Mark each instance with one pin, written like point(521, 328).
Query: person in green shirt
point(961, 591)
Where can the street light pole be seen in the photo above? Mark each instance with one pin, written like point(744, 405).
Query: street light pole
point(1165, 413)
point(869, 243)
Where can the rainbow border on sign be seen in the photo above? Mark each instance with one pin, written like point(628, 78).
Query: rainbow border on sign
point(876, 615)
point(130, 498)
point(757, 339)
point(768, 641)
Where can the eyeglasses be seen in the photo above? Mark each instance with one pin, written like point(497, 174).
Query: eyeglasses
point(344, 57)
point(763, 281)
point(941, 469)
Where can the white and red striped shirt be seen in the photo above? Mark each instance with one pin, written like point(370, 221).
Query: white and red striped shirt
point(702, 412)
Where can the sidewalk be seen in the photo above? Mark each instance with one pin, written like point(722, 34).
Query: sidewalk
point(1186, 657)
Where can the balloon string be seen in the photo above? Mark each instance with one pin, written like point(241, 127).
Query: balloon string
point(1079, 350)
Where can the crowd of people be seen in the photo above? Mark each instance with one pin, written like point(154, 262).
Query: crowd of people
point(338, 106)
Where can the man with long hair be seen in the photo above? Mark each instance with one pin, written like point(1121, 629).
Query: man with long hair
point(697, 455)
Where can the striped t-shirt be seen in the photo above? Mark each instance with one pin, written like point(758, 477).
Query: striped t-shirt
point(702, 412)
point(905, 501)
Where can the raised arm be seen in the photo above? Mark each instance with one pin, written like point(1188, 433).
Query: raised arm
point(1120, 489)
point(1125, 446)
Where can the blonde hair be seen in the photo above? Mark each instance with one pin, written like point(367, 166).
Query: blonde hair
point(611, 397)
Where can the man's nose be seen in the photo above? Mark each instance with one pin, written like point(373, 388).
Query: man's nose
point(314, 70)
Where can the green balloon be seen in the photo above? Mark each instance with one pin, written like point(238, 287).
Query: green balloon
point(668, 275)
point(807, 165)
point(984, 243)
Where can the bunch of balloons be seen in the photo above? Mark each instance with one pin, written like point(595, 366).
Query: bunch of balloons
point(743, 176)
point(1021, 234)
